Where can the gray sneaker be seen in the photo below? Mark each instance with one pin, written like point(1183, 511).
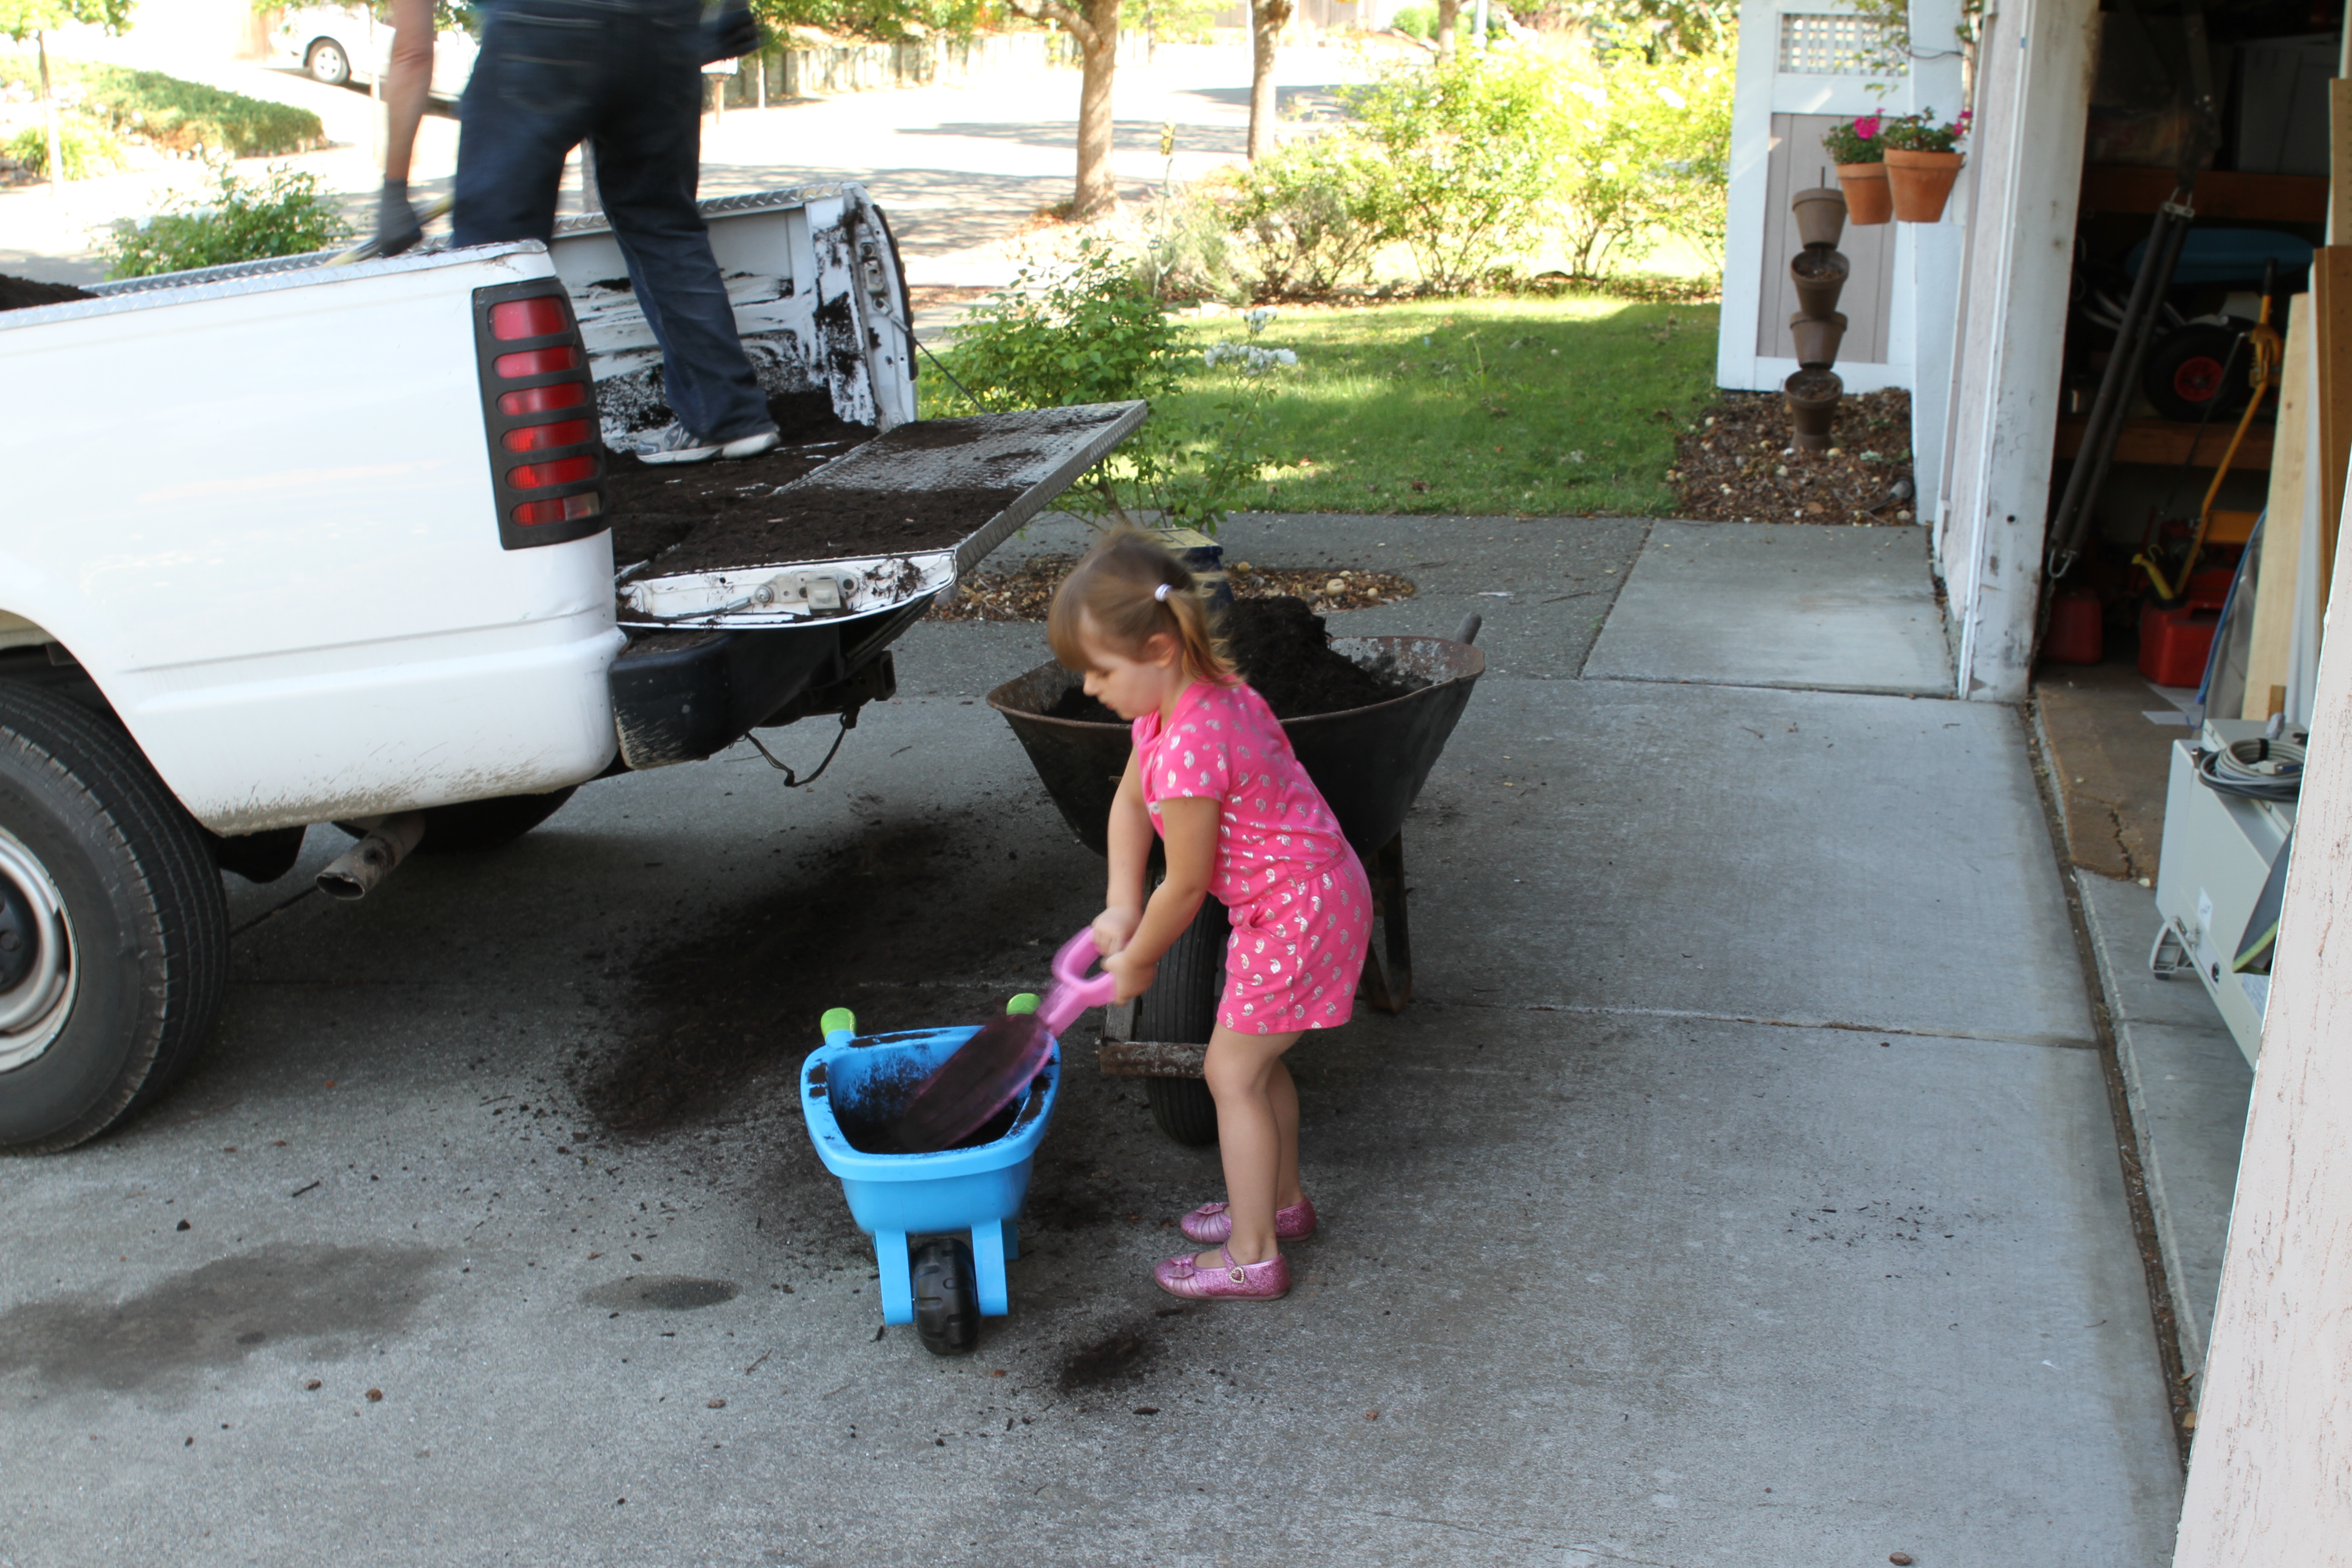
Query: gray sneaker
point(674, 443)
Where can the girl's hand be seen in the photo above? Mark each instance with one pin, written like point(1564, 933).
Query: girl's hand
point(1114, 927)
point(1134, 978)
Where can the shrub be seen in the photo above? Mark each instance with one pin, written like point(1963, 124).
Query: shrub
point(284, 213)
point(1467, 150)
point(1313, 213)
point(179, 116)
point(1646, 151)
point(88, 148)
point(1187, 251)
point(1416, 21)
point(1093, 334)
point(189, 117)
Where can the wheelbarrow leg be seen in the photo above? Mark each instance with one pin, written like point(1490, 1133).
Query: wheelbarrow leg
point(1012, 1239)
point(898, 1286)
point(988, 1263)
point(1390, 986)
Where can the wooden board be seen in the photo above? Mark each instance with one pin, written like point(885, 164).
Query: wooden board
point(2267, 654)
point(2339, 148)
point(2331, 298)
point(2168, 443)
point(2219, 194)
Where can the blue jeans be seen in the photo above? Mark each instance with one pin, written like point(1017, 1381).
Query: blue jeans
point(623, 76)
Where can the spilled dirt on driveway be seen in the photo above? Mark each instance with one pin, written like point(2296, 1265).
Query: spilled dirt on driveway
point(907, 923)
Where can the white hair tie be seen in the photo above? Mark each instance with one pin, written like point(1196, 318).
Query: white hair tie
point(1161, 593)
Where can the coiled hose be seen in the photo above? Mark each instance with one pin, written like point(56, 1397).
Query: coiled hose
point(2259, 769)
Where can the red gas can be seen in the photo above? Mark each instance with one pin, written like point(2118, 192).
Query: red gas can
point(2173, 644)
point(2075, 634)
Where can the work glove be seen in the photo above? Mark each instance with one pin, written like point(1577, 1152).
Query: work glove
point(396, 225)
point(729, 34)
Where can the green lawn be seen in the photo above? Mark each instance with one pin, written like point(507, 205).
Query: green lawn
point(1487, 407)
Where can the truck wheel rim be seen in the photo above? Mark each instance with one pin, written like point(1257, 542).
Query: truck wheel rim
point(32, 1012)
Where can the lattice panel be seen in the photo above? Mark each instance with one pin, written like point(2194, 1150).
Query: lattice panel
point(1833, 44)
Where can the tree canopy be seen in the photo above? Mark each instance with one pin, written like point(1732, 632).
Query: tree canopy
point(20, 19)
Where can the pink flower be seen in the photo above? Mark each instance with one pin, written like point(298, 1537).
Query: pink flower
point(1866, 127)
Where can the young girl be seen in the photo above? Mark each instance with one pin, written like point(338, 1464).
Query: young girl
point(1213, 772)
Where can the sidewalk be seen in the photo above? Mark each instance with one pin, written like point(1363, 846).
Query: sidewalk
point(1740, 1188)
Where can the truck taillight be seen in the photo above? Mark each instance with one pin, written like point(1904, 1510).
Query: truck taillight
point(539, 437)
point(541, 316)
point(538, 399)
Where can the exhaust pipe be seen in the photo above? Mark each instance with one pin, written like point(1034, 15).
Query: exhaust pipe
point(388, 841)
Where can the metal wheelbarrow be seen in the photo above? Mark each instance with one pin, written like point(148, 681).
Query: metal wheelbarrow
point(1370, 764)
point(960, 1206)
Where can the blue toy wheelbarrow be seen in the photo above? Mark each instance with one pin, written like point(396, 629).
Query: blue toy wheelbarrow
point(944, 1286)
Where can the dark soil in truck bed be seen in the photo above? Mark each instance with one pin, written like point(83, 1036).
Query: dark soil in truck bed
point(708, 516)
point(25, 293)
point(1282, 650)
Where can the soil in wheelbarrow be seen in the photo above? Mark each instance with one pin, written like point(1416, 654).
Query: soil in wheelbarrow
point(868, 1123)
point(1282, 650)
point(25, 293)
point(699, 517)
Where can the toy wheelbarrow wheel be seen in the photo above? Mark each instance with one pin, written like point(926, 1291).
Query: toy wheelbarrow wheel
point(947, 1296)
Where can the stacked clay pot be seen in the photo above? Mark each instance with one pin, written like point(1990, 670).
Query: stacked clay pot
point(1819, 272)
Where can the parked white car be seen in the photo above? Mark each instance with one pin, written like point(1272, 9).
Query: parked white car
point(344, 44)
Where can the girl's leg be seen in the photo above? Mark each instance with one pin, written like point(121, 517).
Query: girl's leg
point(1251, 1134)
point(1284, 1094)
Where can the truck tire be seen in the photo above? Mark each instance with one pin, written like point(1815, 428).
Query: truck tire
point(1181, 1007)
point(472, 826)
point(120, 952)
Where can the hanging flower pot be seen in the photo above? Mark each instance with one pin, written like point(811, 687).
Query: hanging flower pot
point(1867, 201)
point(1920, 183)
point(1820, 217)
point(1819, 276)
point(1812, 398)
point(1817, 339)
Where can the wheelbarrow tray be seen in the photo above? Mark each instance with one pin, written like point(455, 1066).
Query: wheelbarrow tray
point(1370, 763)
point(977, 1190)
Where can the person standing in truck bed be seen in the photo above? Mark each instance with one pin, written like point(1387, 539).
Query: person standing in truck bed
point(625, 77)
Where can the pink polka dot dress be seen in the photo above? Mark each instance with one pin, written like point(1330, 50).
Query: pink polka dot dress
point(1301, 906)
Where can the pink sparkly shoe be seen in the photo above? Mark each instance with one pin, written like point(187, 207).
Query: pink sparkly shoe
point(1267, 1281)
point(1210, 1223)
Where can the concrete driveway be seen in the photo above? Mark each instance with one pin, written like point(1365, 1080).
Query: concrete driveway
point(1741, 1187)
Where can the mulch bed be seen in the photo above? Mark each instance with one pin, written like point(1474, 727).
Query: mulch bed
point(1025, 591)
point(1736, 465)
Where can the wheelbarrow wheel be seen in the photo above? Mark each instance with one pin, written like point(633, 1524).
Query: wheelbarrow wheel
point(947, 1296)
point(1184, 1108)
point(1181, 1007)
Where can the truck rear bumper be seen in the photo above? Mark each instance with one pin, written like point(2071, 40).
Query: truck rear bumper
point(679, 696)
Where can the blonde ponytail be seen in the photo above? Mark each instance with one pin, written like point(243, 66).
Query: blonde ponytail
point(1130, 588)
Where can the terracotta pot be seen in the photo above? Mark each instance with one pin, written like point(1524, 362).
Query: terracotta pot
point(1820, 217)
point(1921, 183)
point(1819, 275)
point(1812, 398)
point(1817, 339)
point(1866, 198)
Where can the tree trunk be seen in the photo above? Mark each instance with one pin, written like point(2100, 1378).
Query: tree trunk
point(50, 115)
point(1267, 18)
point(1097, 188)
point(1448, 13)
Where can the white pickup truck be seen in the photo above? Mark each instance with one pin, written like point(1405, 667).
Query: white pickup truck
point(289, 543)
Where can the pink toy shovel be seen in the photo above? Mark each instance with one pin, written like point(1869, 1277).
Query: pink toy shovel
point(995, 1065)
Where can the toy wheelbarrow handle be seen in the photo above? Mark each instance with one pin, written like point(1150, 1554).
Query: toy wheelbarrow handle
point(1074, 989)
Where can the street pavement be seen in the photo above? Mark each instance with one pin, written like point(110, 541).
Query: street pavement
point(958, 167)
point(1740, 1186)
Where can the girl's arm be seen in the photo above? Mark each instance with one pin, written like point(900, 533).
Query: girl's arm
point(1189, 827)
point(1130, 853)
